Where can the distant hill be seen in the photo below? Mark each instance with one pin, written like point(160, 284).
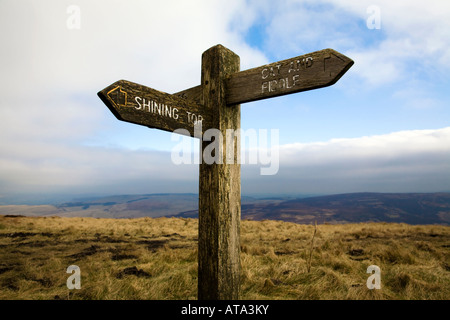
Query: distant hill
point(411, 208)
point(119, 206)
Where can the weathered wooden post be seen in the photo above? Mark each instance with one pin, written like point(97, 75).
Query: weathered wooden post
point(220, 185)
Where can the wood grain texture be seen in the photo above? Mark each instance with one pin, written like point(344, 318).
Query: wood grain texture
point(219, 188)
point(306, 72)
point(138, 104)
point(194, 94)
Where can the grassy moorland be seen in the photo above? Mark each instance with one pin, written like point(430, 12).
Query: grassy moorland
point(149, 258)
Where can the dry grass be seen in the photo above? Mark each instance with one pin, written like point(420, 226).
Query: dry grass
point(35, 253)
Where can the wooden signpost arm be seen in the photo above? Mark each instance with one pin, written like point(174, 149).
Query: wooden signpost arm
point(219, 187)
point(194, 94)
point(307, 72)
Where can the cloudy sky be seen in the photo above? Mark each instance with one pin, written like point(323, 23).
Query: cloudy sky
point(383, 127)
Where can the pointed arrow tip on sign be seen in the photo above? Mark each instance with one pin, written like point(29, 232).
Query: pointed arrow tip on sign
point(343, 62)
point(107, 98)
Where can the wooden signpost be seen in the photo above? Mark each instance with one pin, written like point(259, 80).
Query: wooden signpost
point(215, 104)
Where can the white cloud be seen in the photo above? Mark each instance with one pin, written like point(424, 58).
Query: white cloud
point(414, 38)
point(416, 160)
point(415, 41)
point(50, 76)
point(145, 40)
point(396, 144)
point(60, 168)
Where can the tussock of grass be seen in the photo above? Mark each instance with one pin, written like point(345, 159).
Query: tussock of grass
point(157, 259)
